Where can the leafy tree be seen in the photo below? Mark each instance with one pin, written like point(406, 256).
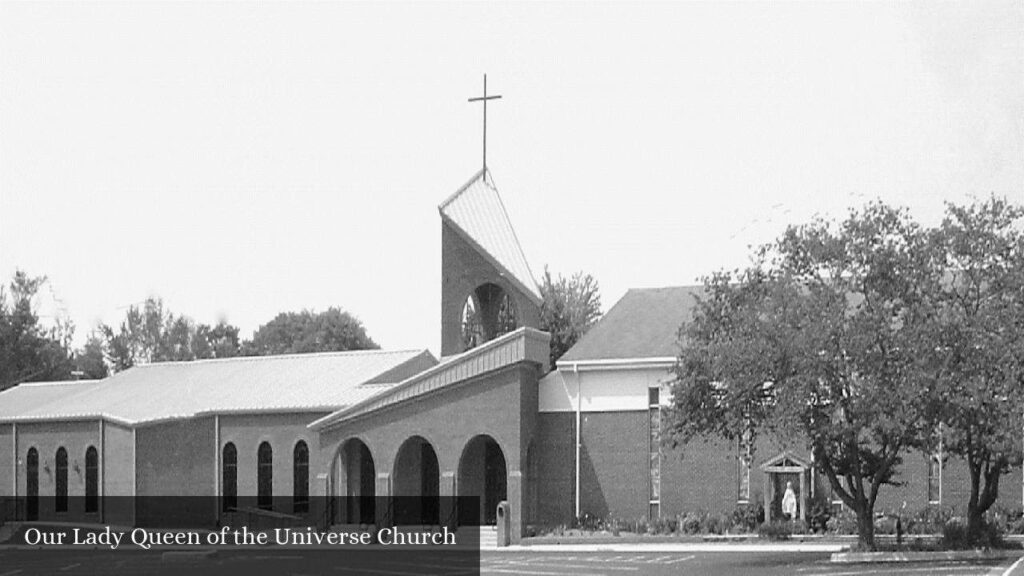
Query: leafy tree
point(152, 334)
point(815, 343)
point(307, 331)
point(89, 361)
point(28, 350)
point(570, 307)
point(976, 346)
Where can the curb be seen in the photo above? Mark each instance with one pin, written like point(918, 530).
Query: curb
point(188, 555)
point(668, 548)
point(949, 555)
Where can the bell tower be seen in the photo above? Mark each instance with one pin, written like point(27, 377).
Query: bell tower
point(487, 288)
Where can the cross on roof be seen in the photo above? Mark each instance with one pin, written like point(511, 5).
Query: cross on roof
point(484, 99)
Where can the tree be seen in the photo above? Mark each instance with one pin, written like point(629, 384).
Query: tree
point(975, 349)
point(152, 334)
point(815, 343)
point(89, 362)
point(28, 350)
point(569, 308)
point(307, 331)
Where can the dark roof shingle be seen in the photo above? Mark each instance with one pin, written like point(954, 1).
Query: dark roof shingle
point(642, 324)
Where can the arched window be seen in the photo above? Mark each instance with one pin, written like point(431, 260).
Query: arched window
point(32, 485)
point(92, 480)
point(300, 468)
point(265, 476)
point(229, 482)
point(60, 503)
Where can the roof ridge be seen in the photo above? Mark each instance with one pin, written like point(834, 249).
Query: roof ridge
point(451, 198)
point(291, 356)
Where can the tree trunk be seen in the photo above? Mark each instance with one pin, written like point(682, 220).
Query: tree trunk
point(865, 529)
point(982, 496)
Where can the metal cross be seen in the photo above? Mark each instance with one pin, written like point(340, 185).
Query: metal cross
point(484, 99)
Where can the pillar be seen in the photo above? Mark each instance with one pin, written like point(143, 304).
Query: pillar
point(517, 520)
point(803, 495)
point(767, 499)
point(384, 508)
point(446, 490)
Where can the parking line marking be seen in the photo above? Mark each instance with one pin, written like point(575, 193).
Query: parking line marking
point(12, 572)
point(1013, 566)
point(70, 567)
point(683, 559)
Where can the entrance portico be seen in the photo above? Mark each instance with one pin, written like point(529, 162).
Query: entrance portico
point(461, 428)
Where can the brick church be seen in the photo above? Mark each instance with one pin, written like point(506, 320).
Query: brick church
point(488, 419)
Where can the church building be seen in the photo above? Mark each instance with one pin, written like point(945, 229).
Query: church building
point(487, 419)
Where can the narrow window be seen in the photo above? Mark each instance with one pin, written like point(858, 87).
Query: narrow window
point(934, 480)
point(654, 412)
point(92, 480)
point(300, 469)
point(265, 477)
point(60, 503)
point(229, 483)
point(32, 485)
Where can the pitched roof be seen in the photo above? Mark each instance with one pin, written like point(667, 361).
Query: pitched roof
point(477, 213)
point(642, 324)
point(521, 345)
point(296, 382)
point(32, 395)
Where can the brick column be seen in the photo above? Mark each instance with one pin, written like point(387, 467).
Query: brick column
point(383, 492)
point(446, 491)
point(517, 520)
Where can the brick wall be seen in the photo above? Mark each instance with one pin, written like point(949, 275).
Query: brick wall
point(463, 269)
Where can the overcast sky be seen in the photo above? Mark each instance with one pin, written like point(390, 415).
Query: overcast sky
point(243, 159)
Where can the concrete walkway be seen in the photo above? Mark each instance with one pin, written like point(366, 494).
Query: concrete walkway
point(682, 547)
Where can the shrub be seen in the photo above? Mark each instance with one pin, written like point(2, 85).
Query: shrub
point(842, 522)
point(746, 517)
point(955, 537)
point(775, 531)
point(818, 515)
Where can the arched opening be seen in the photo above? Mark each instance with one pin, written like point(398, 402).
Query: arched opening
point(417, 483)
point(60, 495)
point(482, 473)
point(488, 313)
point(355, 478)
point(265, 476)
point(300, 478)
point(32, 485)
point(229, 479)
point(92, 480)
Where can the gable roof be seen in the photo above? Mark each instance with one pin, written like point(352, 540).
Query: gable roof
point(642, 324)
point(477, 213)
point(171, 390)
point(33, 395)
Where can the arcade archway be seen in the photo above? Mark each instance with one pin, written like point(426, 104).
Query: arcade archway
point(355, 484)
point(482, 473)
point(416, 483)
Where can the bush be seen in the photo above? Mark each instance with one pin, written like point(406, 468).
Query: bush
point(842, 522)
point(775, 531)
point(746, 517)
point(818, 515)
point(955, 537)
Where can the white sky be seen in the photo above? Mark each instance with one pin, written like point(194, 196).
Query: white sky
point(240, 160)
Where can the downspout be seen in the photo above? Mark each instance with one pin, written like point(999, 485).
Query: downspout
point(14, 459)
point(216, 468)
point(579, 404)
point(100, 470)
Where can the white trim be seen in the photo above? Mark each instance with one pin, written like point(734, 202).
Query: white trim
point(618, 363)
point(102, 457)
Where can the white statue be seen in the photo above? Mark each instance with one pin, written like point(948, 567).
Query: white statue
point(789, 502)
